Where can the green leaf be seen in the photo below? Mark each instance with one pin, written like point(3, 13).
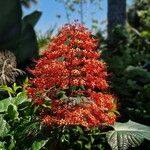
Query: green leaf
point(100, 147)
point(82, 87)
point(78, 100)
point(83, 138)
point(79, 129)
point(5, 103)
point(2, 145)
point(13, 111)
point(15, 87)
point(31, 19)
point(12, 143)
point(65, 138)
point(62, 95)
point(62, 58)
point(92, 139)
point(4, 127)
point(125, 135)
point(6, 88)
point(20, 98)
point(145, 34)
point(88, 146)
point(37, 145)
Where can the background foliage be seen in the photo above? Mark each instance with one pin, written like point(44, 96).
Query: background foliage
point(129, 63)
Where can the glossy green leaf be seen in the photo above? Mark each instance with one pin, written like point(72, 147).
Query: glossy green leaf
point(13, 112)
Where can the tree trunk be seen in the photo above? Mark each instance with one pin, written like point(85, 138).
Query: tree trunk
point(116, 15)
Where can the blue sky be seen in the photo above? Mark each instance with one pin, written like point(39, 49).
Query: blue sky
point(50, 9)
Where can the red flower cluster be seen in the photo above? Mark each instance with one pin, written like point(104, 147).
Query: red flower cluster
point(70, 81)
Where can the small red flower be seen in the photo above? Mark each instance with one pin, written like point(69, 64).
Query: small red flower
point(70, 76)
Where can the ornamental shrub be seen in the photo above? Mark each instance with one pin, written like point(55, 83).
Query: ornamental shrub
point(70, 83)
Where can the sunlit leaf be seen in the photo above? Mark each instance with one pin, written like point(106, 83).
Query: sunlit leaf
point(5, 103)
point(37, 145)
point(20, 98)
point(2, 146)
